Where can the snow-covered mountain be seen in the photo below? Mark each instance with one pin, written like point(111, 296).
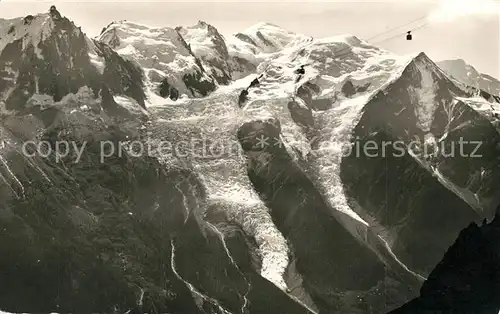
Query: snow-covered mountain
point(170, 67)
point(467, 74)
point(246, 199)
point(210, 46)
point(268, 38)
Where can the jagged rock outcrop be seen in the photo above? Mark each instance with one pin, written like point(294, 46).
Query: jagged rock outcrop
point(55, 64)
point(122, 76)
point(210, 47)
point(308, 93)
point(50, 57)
point(208, 44)
point(467, 278)
point(302, 116)
point(243, 97)
point(167, 91)
point(254, 83)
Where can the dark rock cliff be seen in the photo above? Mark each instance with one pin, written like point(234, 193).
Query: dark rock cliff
point(467, 278)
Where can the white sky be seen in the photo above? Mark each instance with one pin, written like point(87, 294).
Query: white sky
point(467, 29)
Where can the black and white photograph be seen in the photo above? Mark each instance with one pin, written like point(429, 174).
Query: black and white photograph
point(250, 157)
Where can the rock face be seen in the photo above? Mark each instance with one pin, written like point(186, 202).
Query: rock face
point(243, 97)
point(56, 65)
point(300, 115)
point(122, 76)
point(264, 196)
point(207, 44)
point(396, 115)
point(47, 57)
point(466, 280)
point(210, 47)
point(308, 93)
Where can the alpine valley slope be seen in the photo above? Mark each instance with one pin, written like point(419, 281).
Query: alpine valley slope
point(258, 209)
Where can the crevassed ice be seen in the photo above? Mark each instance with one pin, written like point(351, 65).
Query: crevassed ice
point(224, 173)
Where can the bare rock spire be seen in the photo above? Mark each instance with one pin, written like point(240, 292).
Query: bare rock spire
point(54, 13)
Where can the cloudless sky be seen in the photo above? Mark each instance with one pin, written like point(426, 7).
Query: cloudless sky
point(467, 29)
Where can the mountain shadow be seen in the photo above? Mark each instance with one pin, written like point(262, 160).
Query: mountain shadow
point(467, 280)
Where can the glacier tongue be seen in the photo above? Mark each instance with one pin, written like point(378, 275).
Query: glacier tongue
point(377, 68)
point(338, 124)
point(214, 120)
point(217, 158)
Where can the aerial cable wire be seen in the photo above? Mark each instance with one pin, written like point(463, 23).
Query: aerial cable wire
point(397, 27)
point(348, 51)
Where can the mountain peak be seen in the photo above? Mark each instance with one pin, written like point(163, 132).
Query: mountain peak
point(170, 66)
point(261, 25)
point(267, 37)
point(458, 60)
point(462, 71)
point(202, 23)
point(54, 13)
point(422, 56)
point(457, 63)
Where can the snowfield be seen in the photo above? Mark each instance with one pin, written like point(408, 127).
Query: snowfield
point(218, 117)
point(160, 51)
